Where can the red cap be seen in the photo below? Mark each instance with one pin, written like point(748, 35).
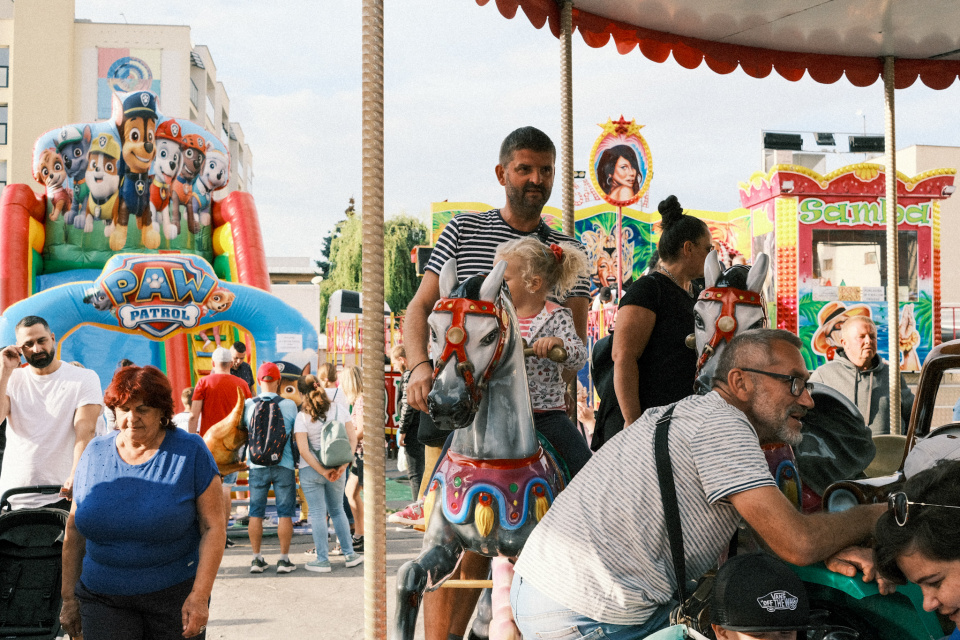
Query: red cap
point(268, 371)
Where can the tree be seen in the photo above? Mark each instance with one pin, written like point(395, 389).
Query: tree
point(345, 262)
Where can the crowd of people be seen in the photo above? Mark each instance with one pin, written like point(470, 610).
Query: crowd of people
point(149, 510)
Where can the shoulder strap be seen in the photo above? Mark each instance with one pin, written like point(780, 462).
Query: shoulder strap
point(668, 495)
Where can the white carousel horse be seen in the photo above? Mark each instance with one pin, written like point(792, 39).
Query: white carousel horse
point(496, 482)
point(836, 443)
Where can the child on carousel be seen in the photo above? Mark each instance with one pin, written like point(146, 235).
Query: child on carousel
point(537, 273)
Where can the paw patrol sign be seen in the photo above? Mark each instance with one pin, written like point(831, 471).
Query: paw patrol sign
point(158, 294)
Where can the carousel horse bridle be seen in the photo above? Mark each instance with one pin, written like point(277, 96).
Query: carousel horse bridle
point(726, 325)
point(456, 341)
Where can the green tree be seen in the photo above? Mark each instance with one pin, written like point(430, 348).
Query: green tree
point(401, 235)
point(345, 261)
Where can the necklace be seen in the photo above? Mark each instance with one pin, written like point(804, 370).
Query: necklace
point(665, 272)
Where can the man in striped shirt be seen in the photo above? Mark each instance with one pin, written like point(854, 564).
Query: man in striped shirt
point(526, 171)
point(601, 556)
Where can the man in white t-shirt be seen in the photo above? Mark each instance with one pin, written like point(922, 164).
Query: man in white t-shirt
point(52, 413)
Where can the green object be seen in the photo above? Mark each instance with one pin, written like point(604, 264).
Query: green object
point(899, 616)
point(457, 481)
point(513, 487)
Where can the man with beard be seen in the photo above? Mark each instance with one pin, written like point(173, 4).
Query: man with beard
point(526, 171)
point(52, 413)
point(601, 555)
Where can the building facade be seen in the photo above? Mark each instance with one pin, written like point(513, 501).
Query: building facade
point(56, 69)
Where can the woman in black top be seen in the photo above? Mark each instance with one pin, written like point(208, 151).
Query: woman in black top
point(652, 364)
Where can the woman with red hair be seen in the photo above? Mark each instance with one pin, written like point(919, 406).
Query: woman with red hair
point(145, 535)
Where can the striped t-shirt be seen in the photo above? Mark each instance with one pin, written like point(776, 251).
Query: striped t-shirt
point(473, 238)
point(602, 549)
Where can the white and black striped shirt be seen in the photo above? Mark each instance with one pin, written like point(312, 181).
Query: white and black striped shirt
point(473, 238)
point(602, 549)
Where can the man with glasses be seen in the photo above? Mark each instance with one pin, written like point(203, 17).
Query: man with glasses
point(601, 555)
point(858, 372)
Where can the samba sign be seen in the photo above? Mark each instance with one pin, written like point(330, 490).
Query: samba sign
point(621, 166)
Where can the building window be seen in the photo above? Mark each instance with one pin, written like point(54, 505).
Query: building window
point(224, 136)
point(5, 67)
point(3, 174)
point(3, 127)
point(194, 94)
point(859, 259)
point(239, 167)
point(211, 112)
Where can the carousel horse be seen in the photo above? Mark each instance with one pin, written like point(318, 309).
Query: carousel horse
point(836, 443)
point(496, 482)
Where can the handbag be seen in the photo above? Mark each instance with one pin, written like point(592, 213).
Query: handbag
point(403, 463)
point(334, 449)
point(693, 612)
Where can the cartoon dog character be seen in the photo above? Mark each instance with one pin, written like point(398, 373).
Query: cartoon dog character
point(98, 298)
point(73, 146)
point(136, 118)
point(289, 374)
point(166, 168)
point(215, 175)
point(52, 174)
point(194, 150)
point(103, 181)
point(219, 300)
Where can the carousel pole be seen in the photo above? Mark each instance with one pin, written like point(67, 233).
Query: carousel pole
point(566, 115)
point(374, 495)
point(893, 252)
point(619, 253)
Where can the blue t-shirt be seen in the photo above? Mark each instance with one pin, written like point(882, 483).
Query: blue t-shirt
point(288, 409)
point(140, 521)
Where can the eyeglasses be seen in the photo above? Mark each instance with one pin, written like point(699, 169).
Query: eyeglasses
point(797, 385)
point(900, 505)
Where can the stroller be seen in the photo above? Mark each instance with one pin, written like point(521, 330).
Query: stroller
point(31, 541)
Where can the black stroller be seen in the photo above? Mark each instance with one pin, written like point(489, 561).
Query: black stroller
point(31, 541)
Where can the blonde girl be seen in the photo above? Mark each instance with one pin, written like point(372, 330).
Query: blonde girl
point(536, 274)
point(351, 385)
point(323, 487)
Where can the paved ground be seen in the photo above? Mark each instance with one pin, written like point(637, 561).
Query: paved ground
point(301, 604)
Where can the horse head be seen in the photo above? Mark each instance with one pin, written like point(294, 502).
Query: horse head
point(730, 303)
point(469, 328)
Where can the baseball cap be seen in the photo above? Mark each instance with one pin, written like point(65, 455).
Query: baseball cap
point(222, 355)
point(757, 592)
point(268, 371)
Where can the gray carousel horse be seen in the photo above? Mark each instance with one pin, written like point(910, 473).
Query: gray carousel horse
point(496, 481)
point(836, 443)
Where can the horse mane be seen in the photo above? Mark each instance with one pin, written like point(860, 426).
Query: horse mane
point(469, 289)
point(734, 278)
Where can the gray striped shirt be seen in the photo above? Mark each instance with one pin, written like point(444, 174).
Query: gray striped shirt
point(602, 549)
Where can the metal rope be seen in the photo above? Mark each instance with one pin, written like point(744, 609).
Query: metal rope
point(893, 252)
point(374, 498)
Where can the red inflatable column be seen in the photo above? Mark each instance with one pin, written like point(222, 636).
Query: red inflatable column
point(178, 363)
point(17, 205)
point(239, 210)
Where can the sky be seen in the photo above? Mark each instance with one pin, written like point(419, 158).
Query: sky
point(458, 78)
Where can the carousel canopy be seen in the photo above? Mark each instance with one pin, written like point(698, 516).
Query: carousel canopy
point(827, 39)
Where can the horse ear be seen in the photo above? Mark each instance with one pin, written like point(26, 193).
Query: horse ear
point(758, 273)
point(490, 288)
point(448, 277)
point(711, 269)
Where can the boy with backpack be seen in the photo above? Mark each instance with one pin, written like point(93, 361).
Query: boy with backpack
point(269, 420)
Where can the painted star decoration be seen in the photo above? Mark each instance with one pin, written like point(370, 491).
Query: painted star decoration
point(621, 127)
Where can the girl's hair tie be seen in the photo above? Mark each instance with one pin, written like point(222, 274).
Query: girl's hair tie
point(557, 252)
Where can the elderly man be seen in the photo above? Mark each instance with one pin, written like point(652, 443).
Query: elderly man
point(601, 555)
point(859, 373)
point(52, 411)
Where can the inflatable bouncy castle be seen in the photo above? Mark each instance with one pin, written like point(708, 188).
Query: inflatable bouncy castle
point(128, 254)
